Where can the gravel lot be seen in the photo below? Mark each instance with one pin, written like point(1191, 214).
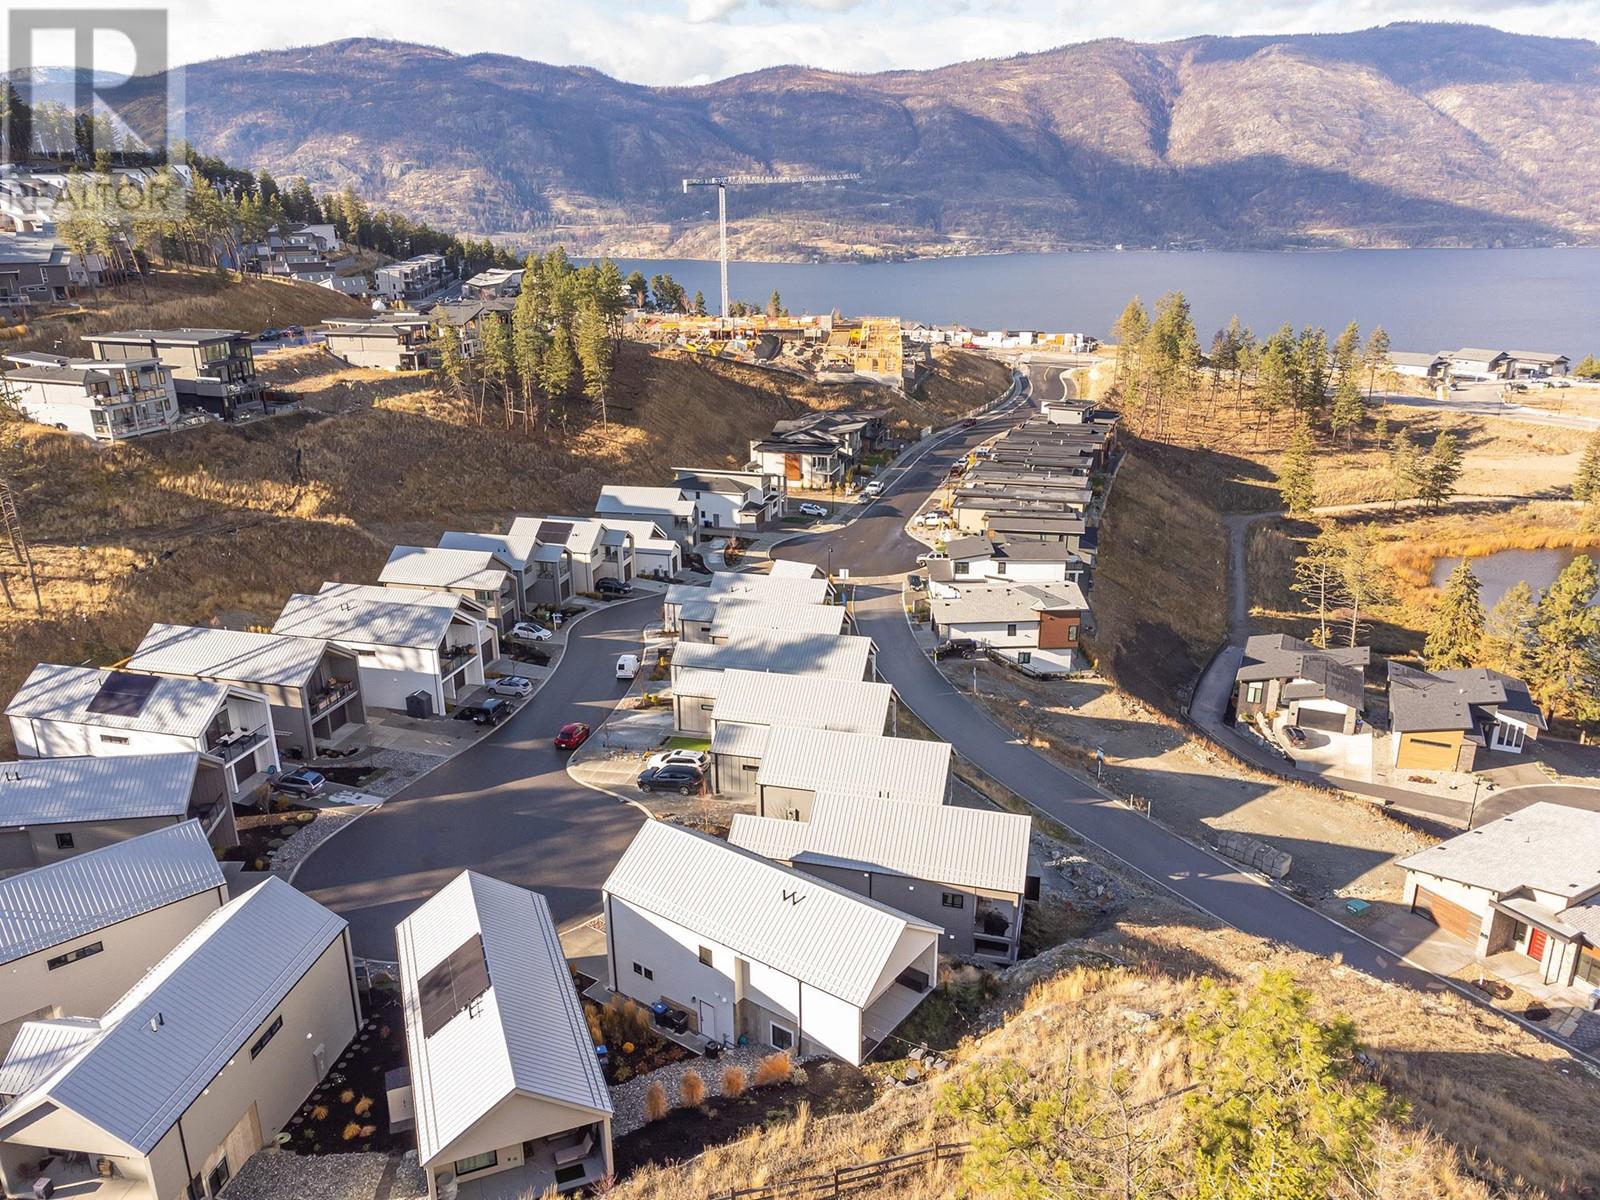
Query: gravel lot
point(280, 1175)
point(627, 1099)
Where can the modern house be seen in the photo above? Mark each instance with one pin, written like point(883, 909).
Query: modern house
point(590, 549)
point(1527, 884)
point(732, 503)
point(1431, 368)
point(1035, 626)
point(1535, 364)
point(677, 516)
point(769, 954)
point(495, 283)
point(1319, 689)
point(697, 666)
point(478, 575)
point(797, 763)
point(106, 401)
point(1476, 364)
point(55, 808)
point(715, 620)
point(983, 558)
point(1440, 719)
point(406, 642)
point(964, 869)
point(79, 932)
point(212, 369)
point(165, 1095)
point(775, 589)
point(65, 711)
point(381, 342)
point(508, 1094)
point(413, 279)
point(34, 272)
point(749, 703)
point(313, 686)
point(816, 450)
point(655, 553)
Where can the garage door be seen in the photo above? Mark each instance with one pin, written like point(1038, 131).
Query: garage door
point(1427, 754)
point(1320, 718)
point(1446, 914)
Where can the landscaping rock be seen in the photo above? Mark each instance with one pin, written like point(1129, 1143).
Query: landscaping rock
point(627, 1099)
point(1253, 853)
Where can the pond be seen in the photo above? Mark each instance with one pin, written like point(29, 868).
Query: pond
point(1499, 571)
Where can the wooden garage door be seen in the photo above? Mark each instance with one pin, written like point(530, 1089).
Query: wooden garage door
point(1422, 753)
point(1446, 914)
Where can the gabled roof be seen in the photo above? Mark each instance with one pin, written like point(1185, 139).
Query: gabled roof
point(164, 1042)
point(811, 701)
point(742, 612)
point(230, 654)
point(120, 787)
point(616, 498)
point(580, 535)
point(1476, 354)
point(992, 603)
point(784, 653)
point(75, 896)
point(512, 552)
point(1279, 656)
point(341, 617)
point(433, 566)
point(1433, 700)
point(152, 704)
point(782, 588)
point(824, 760)
point(962, 847)
point(1546, 847)
point(526, 1035)
point(790, 568)
point(815, 932)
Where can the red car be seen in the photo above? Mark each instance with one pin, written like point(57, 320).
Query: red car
point(572, 736)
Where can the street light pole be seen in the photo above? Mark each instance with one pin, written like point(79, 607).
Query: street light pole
point(1477, 782)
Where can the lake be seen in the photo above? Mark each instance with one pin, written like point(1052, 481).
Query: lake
point(1497, 572)
point(1427, 299)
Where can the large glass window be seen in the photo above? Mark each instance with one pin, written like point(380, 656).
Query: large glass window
point(477, 1162)
point(1589, 967)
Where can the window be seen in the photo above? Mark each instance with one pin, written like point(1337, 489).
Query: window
point(1024, 656)
point(218, 1179)
point(999, 568)
point(1072, 633)
point(705, 956)
point(782, 1038)
point(1252, 692)
point(1589, 967)
point(1011, 631)
point(113, 739)
point(63, 841)
point(72, 956)
point(961, 568)
point(645, 971)
point(267, 1035)
point(478, 1162)
point(953, 900)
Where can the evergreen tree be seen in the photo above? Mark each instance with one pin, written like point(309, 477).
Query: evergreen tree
point(1586, 483)
point(639, 287)
point(1566, 657)
point(1588, 367)
point(1311, 364)
point(699, 303)
point(1319, 579)
point(528, 342)
point(1128, 331)
point(557, 366)
point(448, 360)
point(774, 304)
point(496, 366)
point(1509, 636)
point(1297, 481)
point(1376, 357)
point(1405, 470)
point(1455, 634)
point(593, 340)
point(1368, 580)
point(1169, 352)
point(1440, 471)
point(1348, 409)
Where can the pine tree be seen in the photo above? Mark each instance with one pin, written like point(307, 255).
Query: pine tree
point(1319, 579)
point(1586, 483)
point(1376, 357)
point(1588, 367)
point(1348, 408)
point(495, 364)
point(1297, 481)
point(699, 303)
point(1440, 471)
point(1405, 470)
point(1509, 636)
point(1368, 579)
point(1311, 363)
point(1455, 634)
point(594, 356)
point(1566, 657)
point(1277, 373)
point(557, 366)
point(1128, 331)
point(774, 304)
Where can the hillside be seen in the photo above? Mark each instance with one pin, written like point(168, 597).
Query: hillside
point(1409, 134)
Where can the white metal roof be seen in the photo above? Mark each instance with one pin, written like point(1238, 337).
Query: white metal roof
point(181, 707)
point(527, 1035)
point(739, 741)
point(784, 589)
point(812, 701)
point(231, 654)
point(785, 653)
point(789, 568)
point(210, 994)
point(355, 619)
point(618, 498)
point(120, 787)
point(40, 1049)
point(433, 566)
point(580, 536)
point(512, 551)
point(962, 847)
point(821, 760)
point(697, 682)
point(1546, 847)
point(816, 932)
point(740, 612)
point(75, 896)
point(411, 595)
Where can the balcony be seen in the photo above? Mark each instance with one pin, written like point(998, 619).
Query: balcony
point(453, 657)
point(234, 745)
point(334, 694)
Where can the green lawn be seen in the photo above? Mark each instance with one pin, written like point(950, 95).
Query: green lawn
point(688, 743)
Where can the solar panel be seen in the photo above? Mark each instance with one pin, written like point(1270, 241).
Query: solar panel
point(452, 985)
point(123, 694)
point(553, 533)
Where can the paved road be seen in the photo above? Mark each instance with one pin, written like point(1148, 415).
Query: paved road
point(505, 807)
point(1485, 401)
point(1504, 803)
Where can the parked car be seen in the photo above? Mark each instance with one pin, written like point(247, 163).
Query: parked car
point(957, 648)
point(491, 712)
point(698, 759)
point(930, 557)
point(572, 735)
point(613, 587)
point(678, 777)
point(627, 666)
point(916, 582)
point(810, 508)
point(873, 490)
point(695, 561)
point(268, 335)
point(511, 685)
point(1297, 736)
point(528, 631)
point(934, 516)
point(304, 782)
point(293, 331)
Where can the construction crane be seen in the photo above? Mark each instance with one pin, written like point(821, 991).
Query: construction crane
point(723, 182)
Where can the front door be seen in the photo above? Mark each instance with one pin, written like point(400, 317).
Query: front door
point(709, 1028)
point(1536, 940)
point(1507, 737)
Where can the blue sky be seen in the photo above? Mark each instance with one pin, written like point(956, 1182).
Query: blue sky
point(692, 41)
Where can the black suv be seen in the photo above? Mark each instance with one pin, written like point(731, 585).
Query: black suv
point(674, 777)
point(490, 712)
point(613, 587)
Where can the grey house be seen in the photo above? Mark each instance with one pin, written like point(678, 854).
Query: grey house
point(1317, 688)
point(211, 369)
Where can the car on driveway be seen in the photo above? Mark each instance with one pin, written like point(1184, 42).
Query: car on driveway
point(811, 509)
point(613, 587)
point(956, 648)
point(873, 490)
point(529, 631)
point(931, 556)
point(678, 777)
point(304, 782)
point(489, 712)
point(698, 759)
point(572, 735)
point(519, 686)
point(934, 516)
point(1296, 737)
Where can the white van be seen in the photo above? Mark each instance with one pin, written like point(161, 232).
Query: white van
point(628, 666)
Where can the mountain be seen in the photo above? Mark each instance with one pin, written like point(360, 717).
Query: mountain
point(1409, 134)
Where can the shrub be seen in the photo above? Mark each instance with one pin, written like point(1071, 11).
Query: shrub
point(692, 1090)
point(595, 1032)
point(774, 1068)
point(734, 1081)
point(347, 1096)
point(363, 1106)
point(627, 1047)
point(351, 1131)
point(319, 1113)
point(655, 1102)
point(368, 1130)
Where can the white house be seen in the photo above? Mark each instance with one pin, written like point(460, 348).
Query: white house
point(965, 869)
point(782, 958)
point(717, 618)
point(478, 575)
point(593, 550)
point(697, 665)
point(192, 1070)
point(413, 279)
point(654, 551)
point(405, 641)
point(108, 401)
point(77, 933)
point(1037, 626)
point(749, 703)
point(971, 559)
point(1526, 886)
point(64, 711)
point(544, 573)
point(54, 808)
point(504, 1079)
point(733, 502)
point(677, 515)
point(797, 763)
point(773, 589)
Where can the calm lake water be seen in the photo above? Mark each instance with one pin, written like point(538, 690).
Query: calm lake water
point(1427, 299)
point(1498, 572)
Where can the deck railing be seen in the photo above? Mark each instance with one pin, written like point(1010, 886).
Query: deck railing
point(841, 1181)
